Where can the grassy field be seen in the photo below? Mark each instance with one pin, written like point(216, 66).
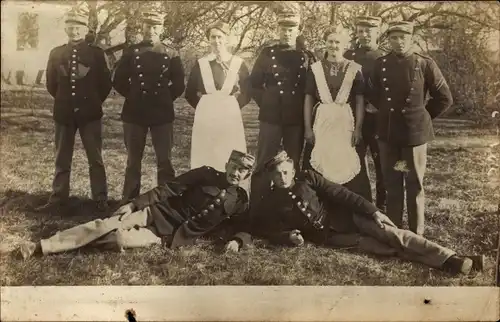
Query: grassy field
point(461, 214)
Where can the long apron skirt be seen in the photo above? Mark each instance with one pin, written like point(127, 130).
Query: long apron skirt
point(217, 130)
point(333, 155)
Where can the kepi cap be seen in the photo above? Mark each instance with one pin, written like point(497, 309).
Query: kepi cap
point(222, 26)
point(279, 158)
point(402, 26)
point(288, 13)
point(244, 159)
point(152, 18)
point(369, 21)
point(77, 17)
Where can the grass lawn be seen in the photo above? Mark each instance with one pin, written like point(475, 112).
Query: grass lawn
point(460, 214)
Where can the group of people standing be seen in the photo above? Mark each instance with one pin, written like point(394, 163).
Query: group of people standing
point(339, 106)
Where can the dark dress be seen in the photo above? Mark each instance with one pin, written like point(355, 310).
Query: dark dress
point(360, 184)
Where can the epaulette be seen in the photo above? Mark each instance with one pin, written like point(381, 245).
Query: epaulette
point(423, 56)
point(96, 47)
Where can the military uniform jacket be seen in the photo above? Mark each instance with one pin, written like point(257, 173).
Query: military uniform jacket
point(150, 79)
point(195, 84)
point(310, 206)
point(365, 57)
point(79, 80)
point(196, 203)
point(277, 84)
point(398, 88)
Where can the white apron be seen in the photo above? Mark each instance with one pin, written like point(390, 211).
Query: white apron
point(333, 155)
point(218, 125)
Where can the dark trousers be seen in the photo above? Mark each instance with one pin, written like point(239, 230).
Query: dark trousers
point(370, 142)
point(91, 136)
point(272, 138)
point(404, 169)
point(391, 241)
point(162, 137)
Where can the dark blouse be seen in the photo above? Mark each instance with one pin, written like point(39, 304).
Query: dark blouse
point(195, 83)
point(335, 81)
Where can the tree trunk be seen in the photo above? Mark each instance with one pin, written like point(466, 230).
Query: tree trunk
point(333, 13)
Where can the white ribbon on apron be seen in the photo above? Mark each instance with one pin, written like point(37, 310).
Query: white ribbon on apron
point(218, 125)
point(333, 154)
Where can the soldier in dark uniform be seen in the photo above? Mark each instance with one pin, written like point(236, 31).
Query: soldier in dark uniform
point(151, 77)
point(277, 85)
point(79, 80)
point(398, 87)
point(365, 54)
point(299, 208)
point(199, 202)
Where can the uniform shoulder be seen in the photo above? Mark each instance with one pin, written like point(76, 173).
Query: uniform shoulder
point(423, 56)
point(349, 53)
point(306, 175)
point(428, 59)
point(59, 48)
point(383, 56)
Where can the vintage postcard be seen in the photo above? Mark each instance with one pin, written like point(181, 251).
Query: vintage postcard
point(250, 161)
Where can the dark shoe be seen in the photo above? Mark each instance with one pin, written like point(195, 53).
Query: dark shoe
point(102, 205)
point(477, 262)
point(458, 265)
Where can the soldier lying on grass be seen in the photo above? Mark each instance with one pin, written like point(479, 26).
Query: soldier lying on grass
point(312, 208)
point(174, 214)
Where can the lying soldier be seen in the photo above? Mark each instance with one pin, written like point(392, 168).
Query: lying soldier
point(312, 208)
point(175, 214)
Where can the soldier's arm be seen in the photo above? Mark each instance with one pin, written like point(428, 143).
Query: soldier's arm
point(193, 85)
point(258, 77)
point(172, 188)
point(121, 79)
point(265, 222)
point(439, 91)
point(337, 193)
point(51, 74)
point(372, 85)
point(176, 77)
point(237, 227)
point(104, 77)
point(243, 96)
point(309, 100)
point(358, 89)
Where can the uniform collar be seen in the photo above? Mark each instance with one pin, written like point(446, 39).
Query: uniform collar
point(76, 43)
point(405, 55)
point(369, 48)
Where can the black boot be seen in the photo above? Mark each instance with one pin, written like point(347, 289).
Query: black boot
point(458, 265)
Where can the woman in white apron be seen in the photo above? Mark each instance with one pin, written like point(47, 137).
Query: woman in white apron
point(335, 85)
point(217, 88)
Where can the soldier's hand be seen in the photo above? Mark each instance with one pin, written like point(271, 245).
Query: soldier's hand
point(125, 210)
point(232, 247)
point(296, 238)
point(356, 137)
point(382, 220)
point(370, 108)
point(309, 136)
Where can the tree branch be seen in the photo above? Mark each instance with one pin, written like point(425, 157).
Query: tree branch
point(425, 11)
point(245, 15)
point(395, 7)
point(467, 17)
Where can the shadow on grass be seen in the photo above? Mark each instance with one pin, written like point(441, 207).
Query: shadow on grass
point(76, 211)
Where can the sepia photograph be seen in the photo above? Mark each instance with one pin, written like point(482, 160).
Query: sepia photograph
point(279, 144)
